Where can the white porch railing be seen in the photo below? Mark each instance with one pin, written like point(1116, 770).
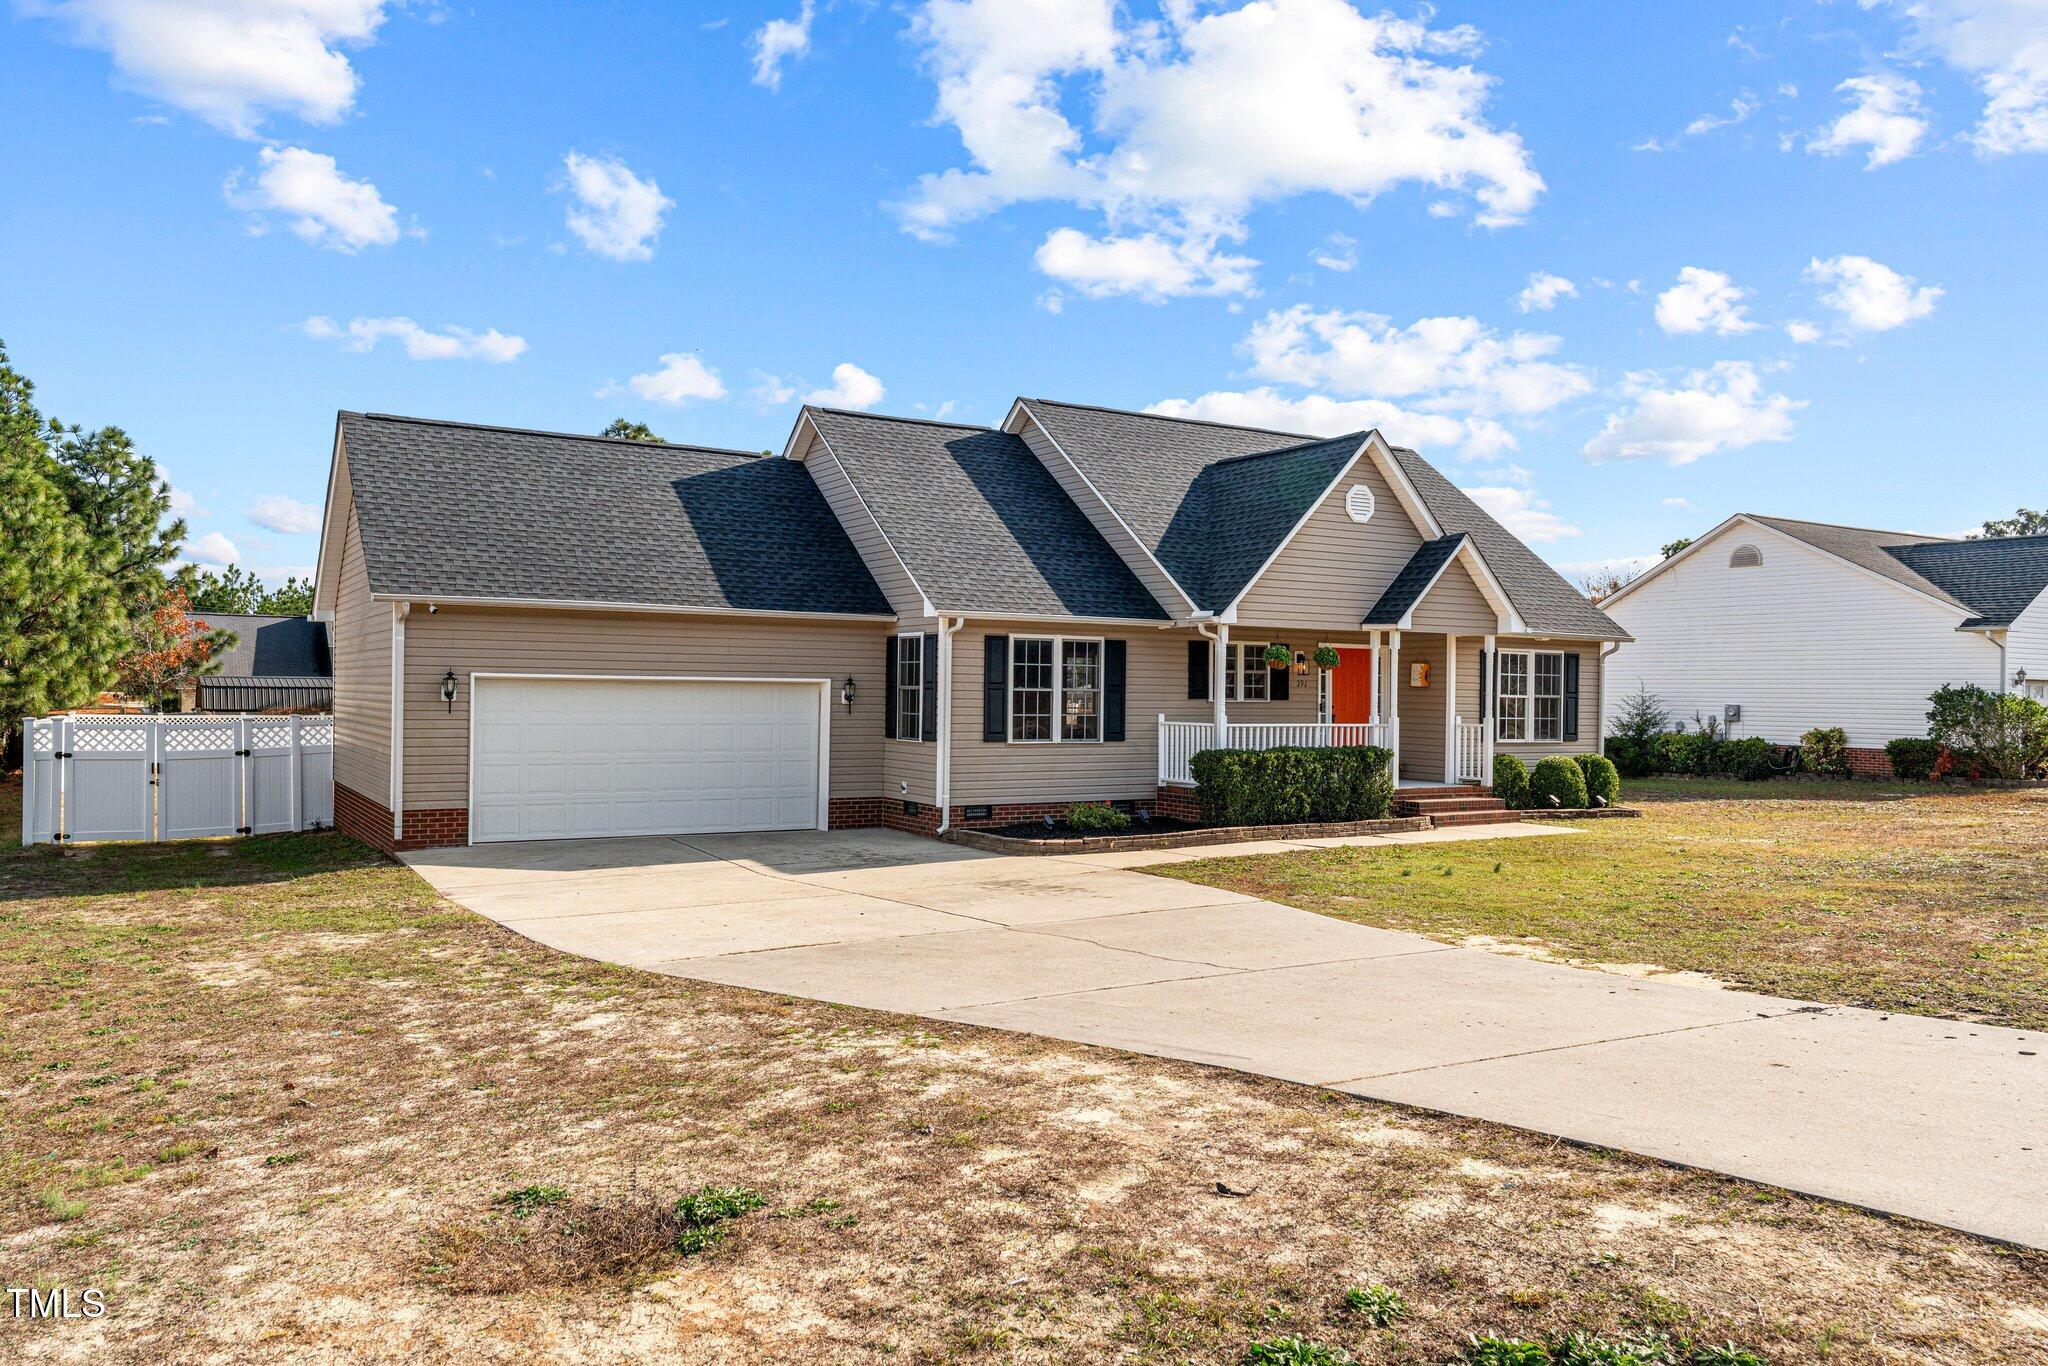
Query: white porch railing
point(1472, 753)
point(1180, 741)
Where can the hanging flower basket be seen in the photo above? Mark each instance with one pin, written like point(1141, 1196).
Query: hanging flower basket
point(1278, 656)
point(1326, 657)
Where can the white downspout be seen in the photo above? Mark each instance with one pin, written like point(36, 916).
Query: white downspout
point(399, 610)
point(1219, 715)
point(942, 781)
point(1600, 712)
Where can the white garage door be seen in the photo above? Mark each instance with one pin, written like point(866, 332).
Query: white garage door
point(564, 758)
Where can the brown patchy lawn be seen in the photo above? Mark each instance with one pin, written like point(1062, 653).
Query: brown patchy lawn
point(264, 1094)
point(1935, 903)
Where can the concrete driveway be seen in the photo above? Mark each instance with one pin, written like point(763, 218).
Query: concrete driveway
point(1939, 1120)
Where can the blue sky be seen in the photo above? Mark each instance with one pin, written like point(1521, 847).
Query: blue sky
point(1621, 270)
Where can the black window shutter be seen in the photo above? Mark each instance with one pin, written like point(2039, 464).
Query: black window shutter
point(1571, 695)
point(1198, 671)
point(889, 690)
point(1277, 685)
point(995, 686)
point(1112, 690)
point(928, 715)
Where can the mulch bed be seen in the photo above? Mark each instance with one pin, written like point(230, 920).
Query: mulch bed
point(1187, 836)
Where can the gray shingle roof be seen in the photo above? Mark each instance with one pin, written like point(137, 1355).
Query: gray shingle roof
point(1148, 467)
point(1993, 579)
point(449, 509)
point(284, 648)
point(979, 522)
point(1400, 596)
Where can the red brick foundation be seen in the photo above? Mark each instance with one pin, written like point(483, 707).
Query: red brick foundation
point(1178, 803)
point(1869, 763)
point(856, 813)
point(370, 822)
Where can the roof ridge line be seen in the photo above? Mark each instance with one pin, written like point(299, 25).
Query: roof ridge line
point(895, 417)
point(1359, 436)
point(542, 431)
point(1168, 417)
point(1846, 526)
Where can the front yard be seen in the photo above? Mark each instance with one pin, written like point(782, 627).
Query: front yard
point(268, 1095)
point(1912, 899)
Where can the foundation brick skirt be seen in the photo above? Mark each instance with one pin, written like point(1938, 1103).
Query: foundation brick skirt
point(370, 822)
point(1869, 763)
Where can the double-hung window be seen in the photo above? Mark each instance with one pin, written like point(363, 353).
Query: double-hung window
point(1055, 689)
point(1246, 678)
point(909, 699)
point(1531, 695)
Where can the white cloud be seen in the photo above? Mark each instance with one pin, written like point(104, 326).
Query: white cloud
point(231, 62)
point(1338, 252)
point(1701, 301)
point(680, 378)
point(1676, 503)
point(771, 391)
point(2003, 44)
point(1870, 296)
point(1543, 291)
point(276, 512)
point(852, 387)
point(1884, 115)
point(1442, 363)
point(1199, 116)
point(1151, 266)
point(616, 213)
point(1523, 513)
point(777, 41)
point(420, 343)
point(1802, 331)
point(212, 549)
point(1320, 415)
point(183, 503)
point(1739, 110)
point(1717, 409)
point(324, 206)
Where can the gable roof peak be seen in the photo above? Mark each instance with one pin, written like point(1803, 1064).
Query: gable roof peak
point(1168, 417)
point(594, 438)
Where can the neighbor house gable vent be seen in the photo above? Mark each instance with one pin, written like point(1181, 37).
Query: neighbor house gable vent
point(1746, 557)
point(1358, 503)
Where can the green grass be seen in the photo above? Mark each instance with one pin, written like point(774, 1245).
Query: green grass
point(1829, 891)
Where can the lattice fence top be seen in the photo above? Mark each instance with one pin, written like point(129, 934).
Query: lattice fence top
point(125, 737)
point(192, 739)
point(42, 736)
point(271, 735)
point(316, 734)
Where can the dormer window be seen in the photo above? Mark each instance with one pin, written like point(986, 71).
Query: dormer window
point(1746, 557)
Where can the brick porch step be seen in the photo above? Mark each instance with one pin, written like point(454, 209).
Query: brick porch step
point(1444, 806)
point(1467, 804)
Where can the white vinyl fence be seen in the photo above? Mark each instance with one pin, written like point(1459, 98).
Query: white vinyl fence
point(174, 777)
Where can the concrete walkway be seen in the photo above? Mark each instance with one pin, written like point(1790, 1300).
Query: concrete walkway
point(1943, 1121)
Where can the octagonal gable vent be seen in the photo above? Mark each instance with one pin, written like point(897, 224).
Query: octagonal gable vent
point(1358, 503)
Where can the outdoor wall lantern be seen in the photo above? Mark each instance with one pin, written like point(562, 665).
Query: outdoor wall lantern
point(448, 690)
point(846, 692)
point(1301, 664)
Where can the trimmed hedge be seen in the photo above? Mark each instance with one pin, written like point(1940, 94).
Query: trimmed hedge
point(1914, 760)
point(1557, 777)
point(1630, 757)
point(1704, 756)
point(1602, 781)
point(1825, 750)
point(1293, 786)
point(1511, 781)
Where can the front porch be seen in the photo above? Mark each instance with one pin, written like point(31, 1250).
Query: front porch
point(1431, 709)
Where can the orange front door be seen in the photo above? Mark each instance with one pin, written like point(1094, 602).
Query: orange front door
point(1351, 688)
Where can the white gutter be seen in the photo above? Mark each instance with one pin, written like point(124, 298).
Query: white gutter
point(942, 781)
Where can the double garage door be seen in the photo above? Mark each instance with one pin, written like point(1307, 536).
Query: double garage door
point(560, 758)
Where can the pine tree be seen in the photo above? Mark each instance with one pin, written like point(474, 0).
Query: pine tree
point(62, 618)
point(116, 493)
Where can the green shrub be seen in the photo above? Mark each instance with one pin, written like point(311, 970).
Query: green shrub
point(1378, 1305)
point(1602, 780)
point(2004, 735)
point(1706, 756)
point(1293, 786)
point(1560, 778)
point(1641, 716)
point(1511, 781)
point(1630, 757)
point(1096, 816)
point(1913, 760)
point(1672, 752)
point(1825, 750)
point(1751, 760)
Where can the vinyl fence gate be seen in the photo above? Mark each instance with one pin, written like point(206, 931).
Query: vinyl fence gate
point(174, 777)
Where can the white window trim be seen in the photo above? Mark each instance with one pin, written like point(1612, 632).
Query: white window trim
point(1528, 736)
point(1059, 688)
point(895, 697)
point(1233, 687)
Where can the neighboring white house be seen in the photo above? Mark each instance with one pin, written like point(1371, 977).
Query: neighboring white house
point(1804, 624)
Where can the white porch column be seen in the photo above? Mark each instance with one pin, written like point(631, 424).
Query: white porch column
point(1219, 713)
point(1489, 688)
point(1393, 683)
point(1450, 709)
point(1379, 669)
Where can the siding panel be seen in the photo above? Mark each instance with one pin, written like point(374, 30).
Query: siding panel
point(1335, 569)
point(362, 670)
point(1456, 606)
